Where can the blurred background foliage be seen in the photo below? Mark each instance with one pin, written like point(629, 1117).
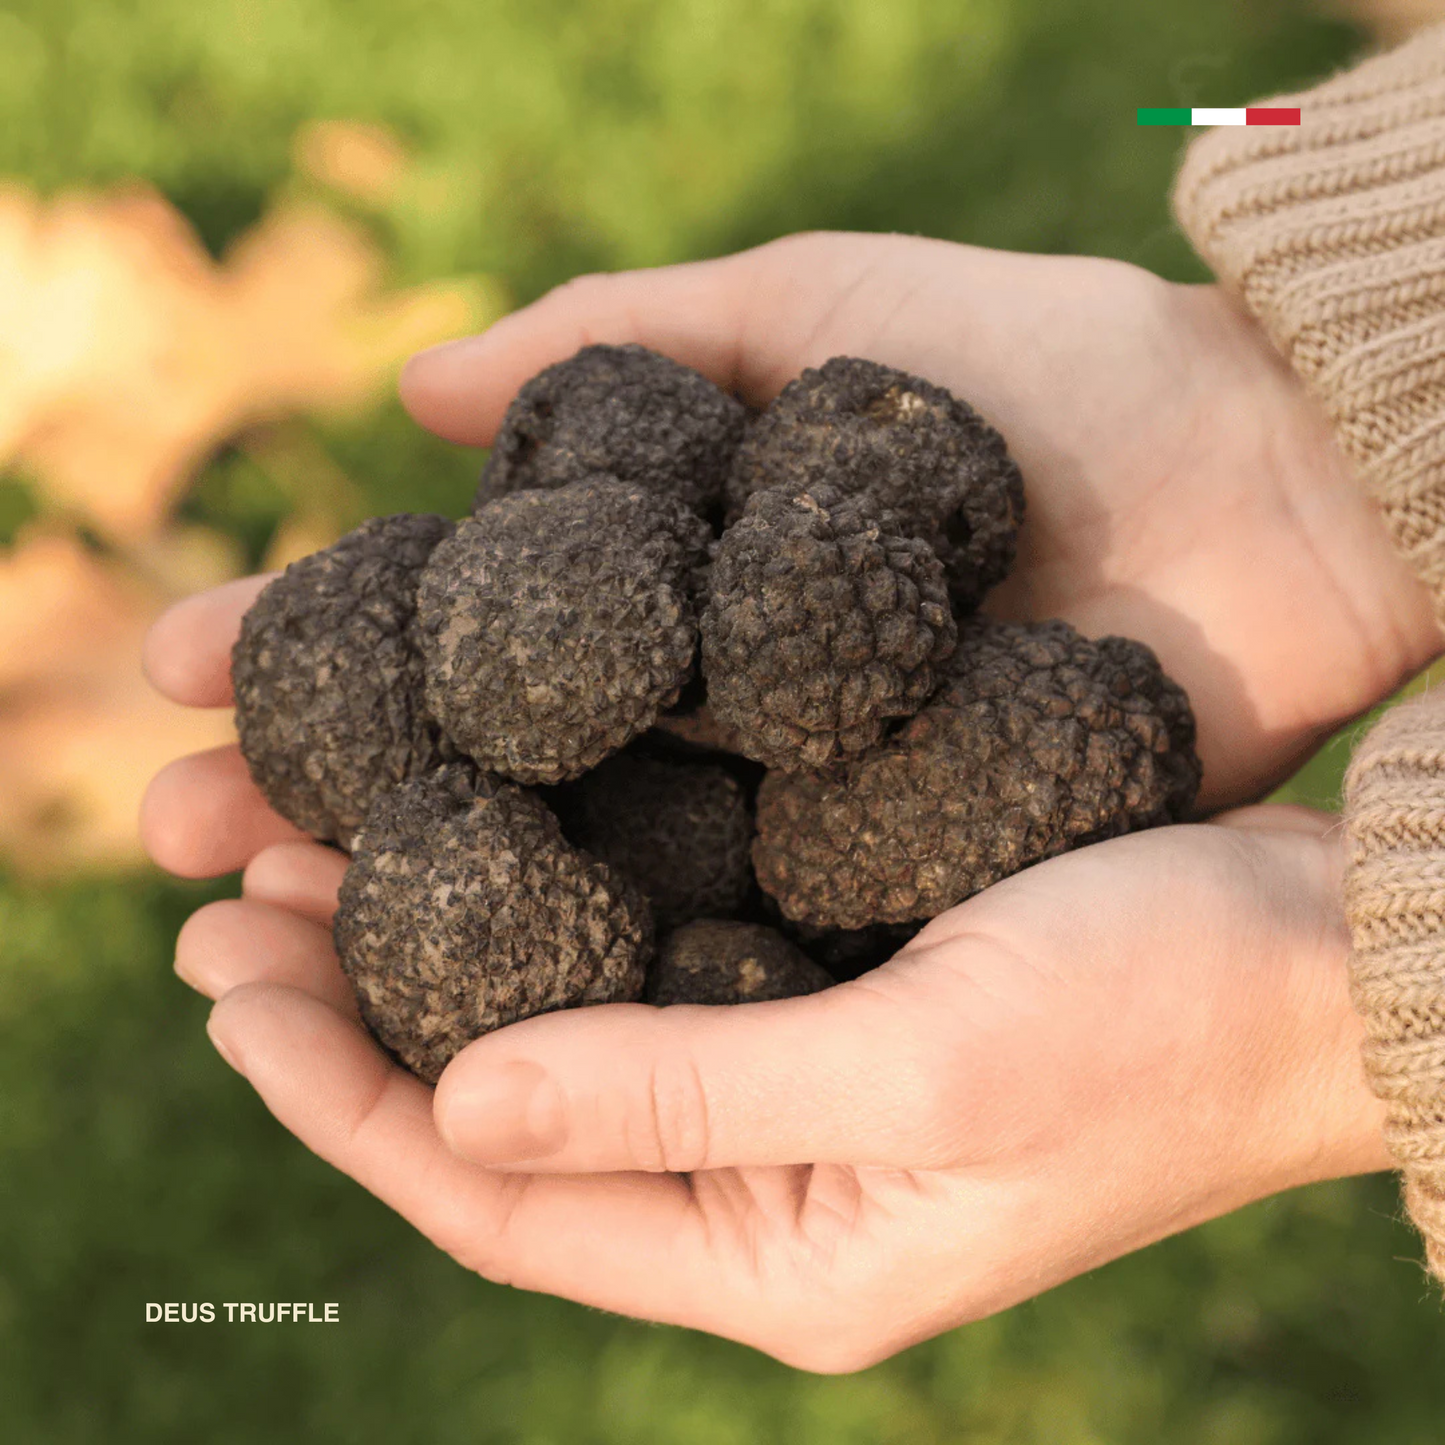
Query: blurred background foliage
point(222, 225)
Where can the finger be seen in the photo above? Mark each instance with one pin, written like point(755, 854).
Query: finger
point(687, 1087)
point(301, 877)
point(203, 816)
point(749, 321)
point(187, 652)
point(1279, 818)
point(629, 1243)
point(236, 941)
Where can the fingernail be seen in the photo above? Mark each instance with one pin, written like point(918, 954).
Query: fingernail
point(504, 1115)
point(224, 1049)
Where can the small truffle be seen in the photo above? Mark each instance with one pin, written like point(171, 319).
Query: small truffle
point(823, 623)
point(681, 832)
point(462, 912)
point(620, 409)
point(920, 451)
point(328, 677)
point(556, 625)
point(1038, 741)
point(722, 962)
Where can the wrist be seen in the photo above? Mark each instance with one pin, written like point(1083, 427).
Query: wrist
point(1325, 1122)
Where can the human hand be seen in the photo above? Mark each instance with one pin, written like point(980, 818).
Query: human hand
point(1181, 488)
point(1112, 1079)
point(1100, 1051)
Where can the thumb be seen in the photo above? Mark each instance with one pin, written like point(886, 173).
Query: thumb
point(834, 1077)
point(750, 322)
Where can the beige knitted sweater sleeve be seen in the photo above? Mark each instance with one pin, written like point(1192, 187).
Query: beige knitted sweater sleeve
point(1333, 235)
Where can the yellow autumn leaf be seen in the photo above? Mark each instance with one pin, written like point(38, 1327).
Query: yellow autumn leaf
point(127, 354)
point(81, 732)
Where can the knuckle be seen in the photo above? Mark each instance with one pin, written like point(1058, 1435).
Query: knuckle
point(803, 242)
point(581, 292)
point(677, 1130)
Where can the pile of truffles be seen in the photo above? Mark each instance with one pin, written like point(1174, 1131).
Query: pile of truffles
point(696, 706)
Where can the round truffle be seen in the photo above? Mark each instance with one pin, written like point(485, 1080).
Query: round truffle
point(620, 409)
point(681, 832)
point(823, 623)
point(556, 625)
point(463, 911)
point(717, 962)
point(1038, 741)
point(920, 451)
point(328, 677)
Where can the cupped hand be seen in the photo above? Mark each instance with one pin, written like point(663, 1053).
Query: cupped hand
point(1095, 1053)
point(1181, 488)
point(1105, 1049)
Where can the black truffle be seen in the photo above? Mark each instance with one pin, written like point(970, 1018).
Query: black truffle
point(681, 832)
point(462, 912)
point(1038, 741)
point(328, 677)
point(556, 625)
point(823, 622)
point(724, 962)
point(620, 409)
point(920, 451)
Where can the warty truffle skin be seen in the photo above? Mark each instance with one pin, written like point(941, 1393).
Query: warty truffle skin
point(556, 625)
point(620, 409)
point(917, 449)
point(462, 912)
point(823, 623)
point(680, 831)
point(717, 962)
point(328, 677)
point(1038, 741)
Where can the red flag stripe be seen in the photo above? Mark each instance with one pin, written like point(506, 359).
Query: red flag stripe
point(1267, 115)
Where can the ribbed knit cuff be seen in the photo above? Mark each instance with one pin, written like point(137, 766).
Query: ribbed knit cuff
point(1332, 233)
point(1395, 903)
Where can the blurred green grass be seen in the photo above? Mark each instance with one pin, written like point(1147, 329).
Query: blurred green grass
point(550, 138)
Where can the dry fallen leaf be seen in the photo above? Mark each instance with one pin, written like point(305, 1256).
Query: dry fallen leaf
point(81, 732)
point(363, 160)
point(126, 353)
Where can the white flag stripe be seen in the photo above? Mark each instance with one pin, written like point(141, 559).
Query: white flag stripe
point(1204, 116)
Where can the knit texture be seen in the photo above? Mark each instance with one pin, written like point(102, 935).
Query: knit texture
point(1332, 233)
point(1395, 903)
